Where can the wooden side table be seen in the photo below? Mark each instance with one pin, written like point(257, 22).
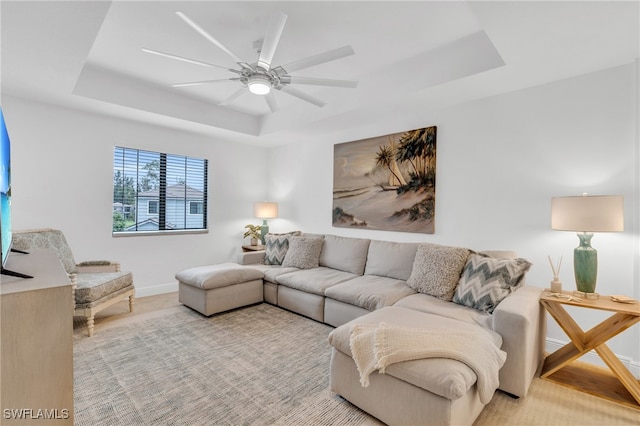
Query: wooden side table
point(253, 248)
point(621, 386)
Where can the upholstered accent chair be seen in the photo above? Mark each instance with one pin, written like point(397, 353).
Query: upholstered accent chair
point(96, 284)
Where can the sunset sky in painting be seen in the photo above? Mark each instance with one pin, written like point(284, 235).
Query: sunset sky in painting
point(353, 159)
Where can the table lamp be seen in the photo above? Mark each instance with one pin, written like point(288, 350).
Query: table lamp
point(587, 214)
point(264, 211)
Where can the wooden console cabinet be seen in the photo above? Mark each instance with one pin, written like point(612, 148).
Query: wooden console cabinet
point(36, 342)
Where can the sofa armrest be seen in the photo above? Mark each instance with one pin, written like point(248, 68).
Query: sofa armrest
point(251, 257)
point(521, 322)
point(98, 266)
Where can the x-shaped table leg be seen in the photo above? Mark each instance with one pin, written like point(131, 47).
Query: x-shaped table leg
point(595, 338)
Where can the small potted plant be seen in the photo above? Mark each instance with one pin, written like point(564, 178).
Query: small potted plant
point(253, 231)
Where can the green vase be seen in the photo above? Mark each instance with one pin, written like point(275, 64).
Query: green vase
point(585, 264)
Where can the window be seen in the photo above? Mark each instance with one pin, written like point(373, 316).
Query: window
point(153, 207)
point(158, 192)
point(196, 207)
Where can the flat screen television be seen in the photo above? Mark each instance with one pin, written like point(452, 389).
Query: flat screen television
point(5, 199)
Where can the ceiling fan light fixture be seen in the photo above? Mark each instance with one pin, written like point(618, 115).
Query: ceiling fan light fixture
point(262, 76)
point(259, 84)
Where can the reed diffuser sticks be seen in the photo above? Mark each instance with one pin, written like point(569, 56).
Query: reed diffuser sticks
point(556, 284)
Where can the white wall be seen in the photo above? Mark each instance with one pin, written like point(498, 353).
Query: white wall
point(499, 162)
point(62, 177)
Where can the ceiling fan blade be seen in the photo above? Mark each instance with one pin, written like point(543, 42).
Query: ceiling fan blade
point(182, 58)
point(271, 39)
point(198, 83)
point(318, 59)
point(233, 97)
point(301, 95)
point(208, 36)
point(271, 101)
point(322, 81)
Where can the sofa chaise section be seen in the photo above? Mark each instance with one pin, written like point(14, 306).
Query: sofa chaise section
point(437, 391)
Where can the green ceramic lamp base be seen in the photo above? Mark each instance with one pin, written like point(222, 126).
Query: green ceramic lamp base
point(264, 230)
point(585, 264)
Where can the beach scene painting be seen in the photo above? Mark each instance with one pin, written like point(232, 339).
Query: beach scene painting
point(386, 182)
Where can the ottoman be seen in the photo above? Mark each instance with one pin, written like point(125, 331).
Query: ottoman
point(218, 288)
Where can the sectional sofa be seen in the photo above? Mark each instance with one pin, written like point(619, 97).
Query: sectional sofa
point(346, 282)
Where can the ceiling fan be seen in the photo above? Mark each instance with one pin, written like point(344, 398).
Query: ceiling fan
point(261, 77)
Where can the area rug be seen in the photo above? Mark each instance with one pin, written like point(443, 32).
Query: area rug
point(259, 365)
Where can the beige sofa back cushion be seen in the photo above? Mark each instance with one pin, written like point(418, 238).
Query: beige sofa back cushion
point(389, 259)
point(500, 254)
point(344, 254)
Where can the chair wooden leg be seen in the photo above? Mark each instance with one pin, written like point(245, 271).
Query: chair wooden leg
point(131, 302)
point(90, 322)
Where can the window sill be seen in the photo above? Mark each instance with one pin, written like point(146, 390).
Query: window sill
point(150, 233)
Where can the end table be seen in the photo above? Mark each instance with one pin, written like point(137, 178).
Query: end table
point(253, 248)
point(595, 383)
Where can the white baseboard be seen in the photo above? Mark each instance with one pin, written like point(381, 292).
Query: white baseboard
point(592, 357)
point(156, 289)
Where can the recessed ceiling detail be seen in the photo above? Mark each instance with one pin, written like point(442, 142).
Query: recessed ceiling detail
point(412, 57)
point(196, 64)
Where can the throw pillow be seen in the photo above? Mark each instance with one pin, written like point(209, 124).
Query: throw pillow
point(276, 247)
point(303, 253)
point(486, 281)
point(436, 270)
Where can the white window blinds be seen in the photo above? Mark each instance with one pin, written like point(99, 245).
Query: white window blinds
point(154, 191)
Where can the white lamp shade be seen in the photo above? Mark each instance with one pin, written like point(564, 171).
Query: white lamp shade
point(588, 213)
point(265, 210)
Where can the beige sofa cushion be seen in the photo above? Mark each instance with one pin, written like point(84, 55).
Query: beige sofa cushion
point(271, 272)
point(370, 292)
point(344, 254)
point(432, 305)
point(315, 280)
point(500, 254)
point(389, 259)
point(436, 270)
point(445, 377)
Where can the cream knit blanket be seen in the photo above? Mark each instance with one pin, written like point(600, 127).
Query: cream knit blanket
point(375, 347)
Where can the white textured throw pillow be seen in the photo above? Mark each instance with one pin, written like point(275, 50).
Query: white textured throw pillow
point(486, 281)
point(303, 253)
point(436, 270)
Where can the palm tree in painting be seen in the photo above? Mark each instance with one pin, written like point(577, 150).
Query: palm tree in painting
point(386, 157)
point(418, 148)
point(408, 151)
